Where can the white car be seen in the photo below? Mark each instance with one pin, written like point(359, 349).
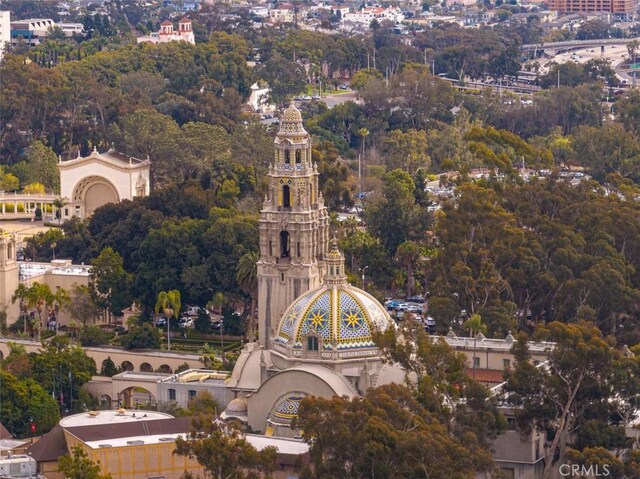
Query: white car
point(186, 323)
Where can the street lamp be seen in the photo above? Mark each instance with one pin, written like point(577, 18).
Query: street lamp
point(363, 270)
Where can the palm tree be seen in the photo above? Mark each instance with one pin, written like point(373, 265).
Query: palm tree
point(38, 297)
point(21, 293)
point(168, 303)
point(247, 278)
point(58, 204)
point(61, 300)
point(475, 326)
point(632, 48)
point(362, 133)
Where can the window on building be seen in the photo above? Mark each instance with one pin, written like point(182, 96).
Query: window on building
point(192, 394)
point(298, 248)
point(172, 394)
point(287, 156)
point(508, 472)
point(270, 248)
point(312, 343)
point(298, 156)
point(476, 362)
point(284, 244)
point(286, 196)
point(506, 363)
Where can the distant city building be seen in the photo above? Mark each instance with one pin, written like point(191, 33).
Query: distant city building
point(259, 99)
point(182, 5)
point(71, 29)
point(620, 8)
point(368, 14)
point(286, 13)
point(184, 33)
point(5, 31)
point(32, 31)
point(260, 12)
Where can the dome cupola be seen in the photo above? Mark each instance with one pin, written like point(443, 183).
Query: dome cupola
point(335, 321)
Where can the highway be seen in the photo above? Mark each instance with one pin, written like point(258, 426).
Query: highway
point(575, 44)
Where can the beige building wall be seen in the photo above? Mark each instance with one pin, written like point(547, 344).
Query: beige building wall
point(89, 182)
point(8, 277)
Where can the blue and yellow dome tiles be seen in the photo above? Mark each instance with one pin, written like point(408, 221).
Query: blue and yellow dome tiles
point(343, 317)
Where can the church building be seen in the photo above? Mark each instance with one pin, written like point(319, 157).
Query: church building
point(315, 329)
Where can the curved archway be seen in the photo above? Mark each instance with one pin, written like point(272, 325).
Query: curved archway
point(164, 368)
point(146, 368)
point(127, 366)
point(93, 192)
point(136, 397)
point(105, 402)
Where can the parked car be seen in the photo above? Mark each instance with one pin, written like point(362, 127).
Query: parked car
point(161, 322)
point(193, 310)
point(185, 322)
point(392, 304)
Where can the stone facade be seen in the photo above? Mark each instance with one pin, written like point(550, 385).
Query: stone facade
point(92, 181)
point(294, 226)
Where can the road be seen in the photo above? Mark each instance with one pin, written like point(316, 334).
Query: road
point(615, 53)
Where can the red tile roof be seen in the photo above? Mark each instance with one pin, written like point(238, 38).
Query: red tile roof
point(487, 376)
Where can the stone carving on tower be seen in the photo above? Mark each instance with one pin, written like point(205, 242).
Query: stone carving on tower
point(294, 226)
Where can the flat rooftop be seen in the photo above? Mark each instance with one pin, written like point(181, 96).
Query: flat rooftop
point(135, 440)
point(111, 417)
point(205, 376)
point(284, 445)
point(28, 270)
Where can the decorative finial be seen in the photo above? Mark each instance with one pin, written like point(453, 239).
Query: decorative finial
point(111, 148)
point(78, 153)
point(95, 150)
point(130, 160)
point(334, 244)
point(59, 158)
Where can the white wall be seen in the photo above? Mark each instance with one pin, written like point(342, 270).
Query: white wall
point(5, 30)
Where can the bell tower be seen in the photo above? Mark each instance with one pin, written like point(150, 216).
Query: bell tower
point(294, 226)
point(9, 276)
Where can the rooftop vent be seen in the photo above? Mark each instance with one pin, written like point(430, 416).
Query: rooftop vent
point(104, 446)
point(135, 443)
point(167, 439)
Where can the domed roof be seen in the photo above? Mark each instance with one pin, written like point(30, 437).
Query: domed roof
point(292, 114)
point(286, 409)
point(237, 406)
point(291, 123)
point(343, 317)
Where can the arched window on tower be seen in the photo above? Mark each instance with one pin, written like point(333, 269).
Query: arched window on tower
point(286, 196)
point(310, 193)
point(298, 156)
point(287, 156)
point(284, 244)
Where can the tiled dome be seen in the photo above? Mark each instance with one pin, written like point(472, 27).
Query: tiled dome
point(287, 409)
point(344, 318)
point(291, 123)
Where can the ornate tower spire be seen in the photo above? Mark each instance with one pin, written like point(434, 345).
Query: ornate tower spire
point(294, 225)
point(334, 263)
